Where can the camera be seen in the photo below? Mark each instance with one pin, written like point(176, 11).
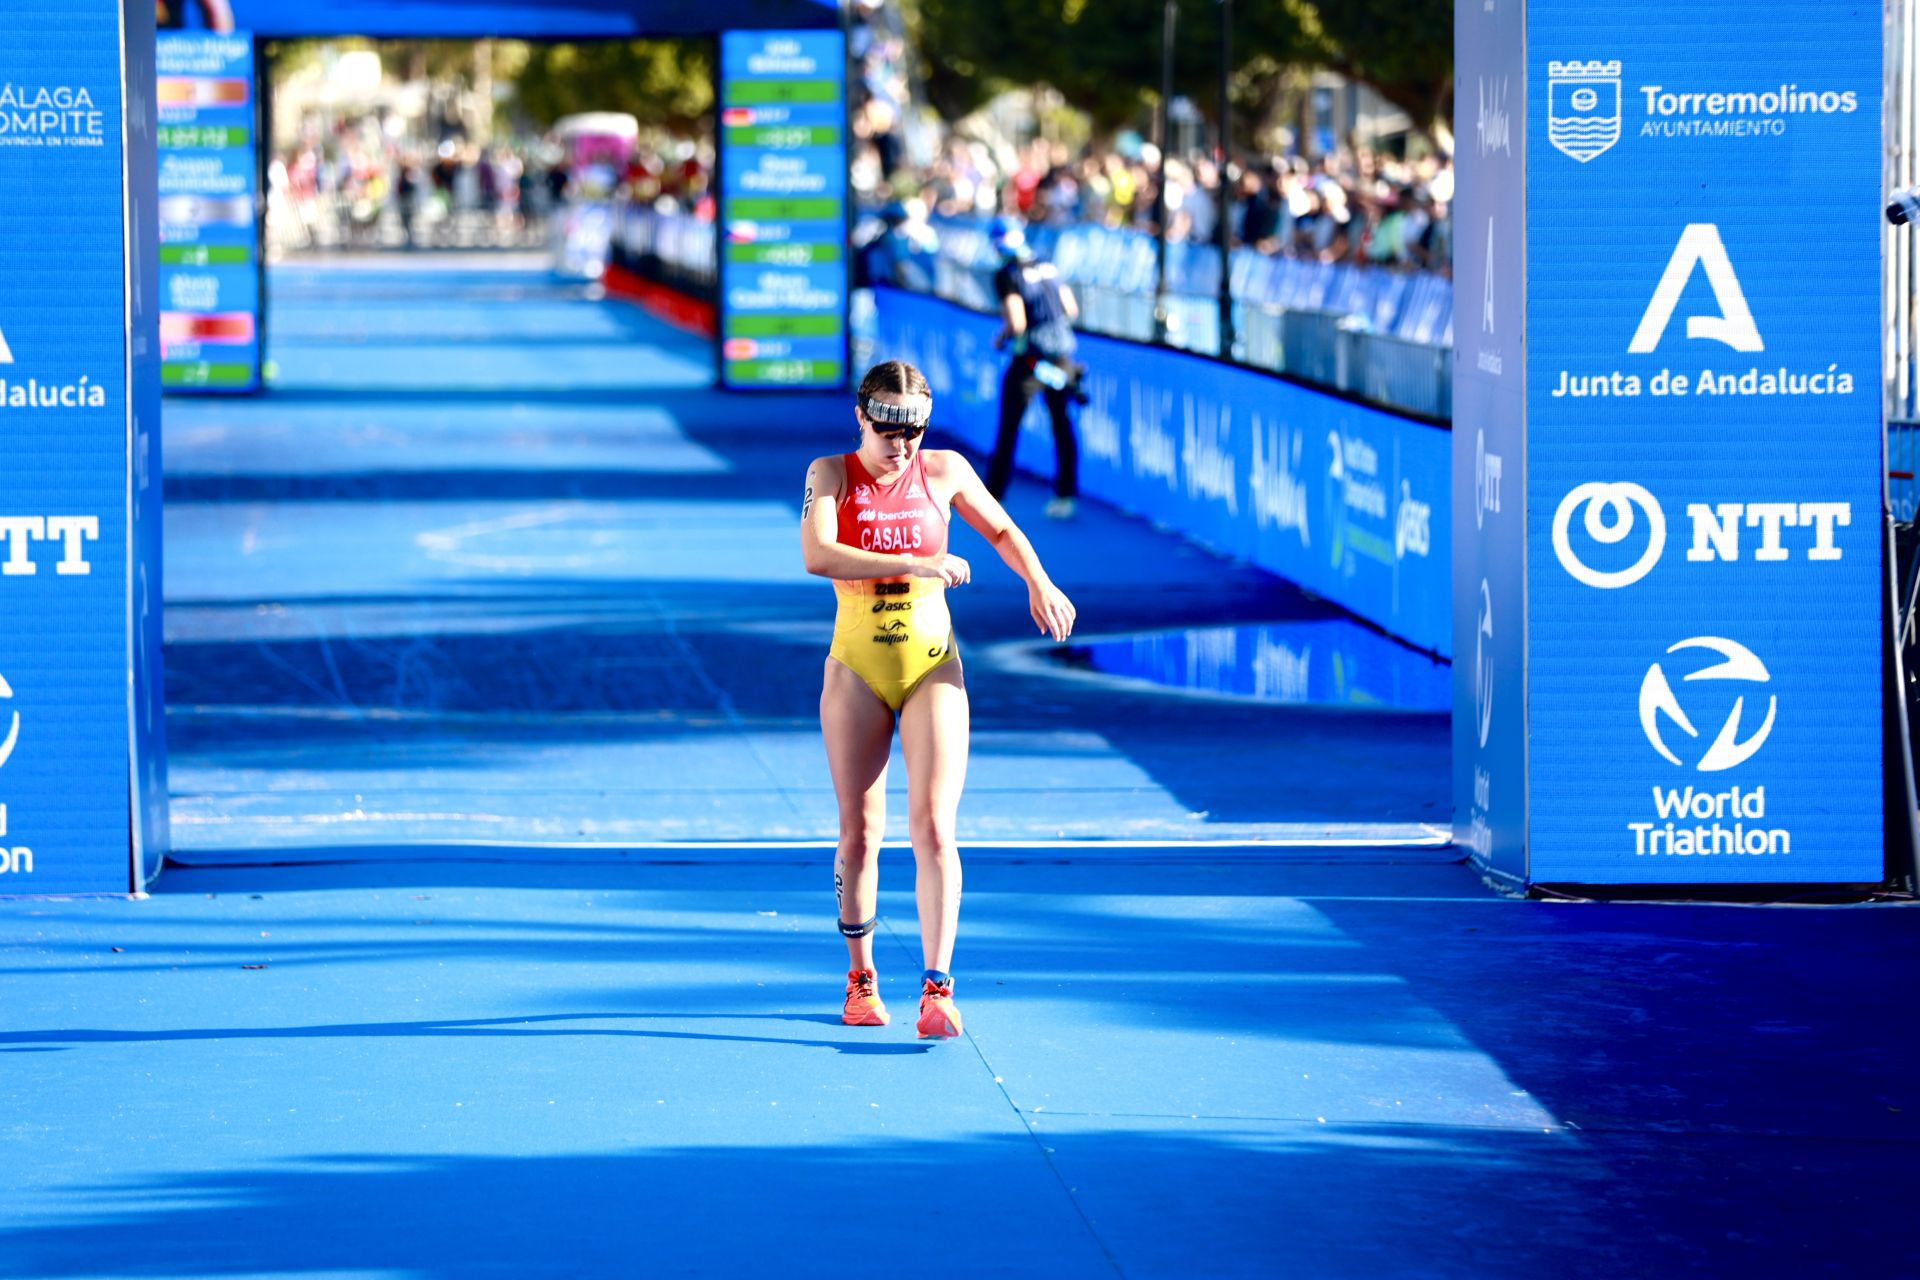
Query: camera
point(1062, 378)
point(1904, 207)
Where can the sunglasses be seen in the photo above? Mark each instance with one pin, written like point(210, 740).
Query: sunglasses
point(904, 433)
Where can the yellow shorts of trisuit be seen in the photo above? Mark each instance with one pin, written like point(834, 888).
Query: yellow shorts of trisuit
point(892, 634)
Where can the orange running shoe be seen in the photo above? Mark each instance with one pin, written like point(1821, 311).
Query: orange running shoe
point(939, 1020)
point(864, 1007)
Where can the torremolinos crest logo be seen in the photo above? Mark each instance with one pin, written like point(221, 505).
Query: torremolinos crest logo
point(1583, 107)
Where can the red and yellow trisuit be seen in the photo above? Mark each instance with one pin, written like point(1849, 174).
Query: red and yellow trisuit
point(892, 632)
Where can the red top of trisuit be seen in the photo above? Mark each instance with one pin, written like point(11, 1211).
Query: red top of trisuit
point(900, 518)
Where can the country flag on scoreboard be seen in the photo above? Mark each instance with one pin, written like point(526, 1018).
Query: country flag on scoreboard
point(195, 91)
point(235, 327)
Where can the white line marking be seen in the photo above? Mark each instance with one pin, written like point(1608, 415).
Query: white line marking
point(1424, 841)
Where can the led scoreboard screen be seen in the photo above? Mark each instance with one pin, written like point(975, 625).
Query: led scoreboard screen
point(209, 246)
point(783, 209)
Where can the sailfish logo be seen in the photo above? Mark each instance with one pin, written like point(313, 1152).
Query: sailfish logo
point(1583, 107)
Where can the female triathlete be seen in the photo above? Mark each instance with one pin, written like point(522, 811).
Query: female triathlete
point(875, 522)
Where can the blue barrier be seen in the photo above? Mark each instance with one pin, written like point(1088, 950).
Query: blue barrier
point(1427, 313)
point(1348, 501)
point(1413, 305)
point(1289, 309)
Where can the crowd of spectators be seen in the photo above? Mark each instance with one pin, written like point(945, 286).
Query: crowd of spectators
point(1352, 205)
point(354, 187)
point(672, 177)
point(1345, 207)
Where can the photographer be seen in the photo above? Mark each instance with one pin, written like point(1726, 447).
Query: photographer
point(1039, 311)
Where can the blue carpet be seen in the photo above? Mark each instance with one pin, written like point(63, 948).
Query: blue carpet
point(493, 562)
point(1365, 1066)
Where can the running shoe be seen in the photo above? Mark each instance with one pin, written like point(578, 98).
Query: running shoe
point(864, 1007)
point(938, 1018)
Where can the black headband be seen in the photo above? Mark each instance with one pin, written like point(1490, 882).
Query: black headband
point(916, 412)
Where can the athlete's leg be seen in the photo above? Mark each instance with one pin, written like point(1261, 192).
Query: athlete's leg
point(858, 729)
point(933, 737)
point(1016, 389)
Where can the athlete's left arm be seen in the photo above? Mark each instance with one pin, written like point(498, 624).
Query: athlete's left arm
point(1052, 612)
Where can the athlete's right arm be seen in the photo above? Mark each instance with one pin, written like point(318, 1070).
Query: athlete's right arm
point(825, 556)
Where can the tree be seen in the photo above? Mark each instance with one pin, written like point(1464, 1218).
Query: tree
point(1402, 48)
point(1104, 55)
point(667, 83)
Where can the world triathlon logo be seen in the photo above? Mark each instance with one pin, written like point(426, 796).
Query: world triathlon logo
point(13, 727)
point(1483, 665)
point(1659, 703)
point(1583, 107)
